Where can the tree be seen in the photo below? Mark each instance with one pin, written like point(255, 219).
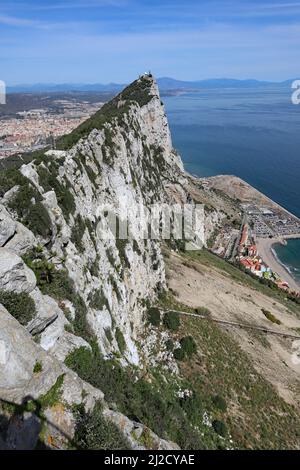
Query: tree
point(154, 316)
point(188, 345)
point(171, 321)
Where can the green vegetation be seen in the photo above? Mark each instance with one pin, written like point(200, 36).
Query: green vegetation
point(153, 315)
point(171, 321)
point(220, 427)
point(38, 367)
point(169, 345)
point(270, 316)
point(188, 346)
point(97, 300)
point(53, 395)
point(49, 180)
point(264, 420)
point(94, 432)
point(136, 93)
point(78, 230)
point(219, 403)
point(20, 306)
point(154, 404)
point(57, 284)
point(120, 340)
point(26, 202)
point(203, 311)
point(179, 354)
point(44, 270)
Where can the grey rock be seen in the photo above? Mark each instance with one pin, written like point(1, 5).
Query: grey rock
point(22, 241)
point(66, 344)
point(137, 434)
point(7, 226)
point(15, 276)
point(47, 311)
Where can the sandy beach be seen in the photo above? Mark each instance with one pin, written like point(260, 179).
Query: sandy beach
point(264, 246)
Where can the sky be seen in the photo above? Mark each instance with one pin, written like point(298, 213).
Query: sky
point(102, 41)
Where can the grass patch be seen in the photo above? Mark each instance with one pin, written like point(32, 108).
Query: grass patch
point(53, 395)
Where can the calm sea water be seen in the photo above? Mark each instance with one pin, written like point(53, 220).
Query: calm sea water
point(250, 133)
point(289, 256)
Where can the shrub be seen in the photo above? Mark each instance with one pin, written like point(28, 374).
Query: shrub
point(26, 202)
point(154, 316)
point(220, 427)
point(270, 316)
point(78, 230)
point(203, 311)
point(219, 403)
point(169, 345)
point(171, 321)
point(57, 283)
point(120, 340)
point(179, 354)
point(37, 367)
point(153, 404)
point(97, 300)
point(44, 270)
point(188, 346)
point(93, 431)
point(20, 306)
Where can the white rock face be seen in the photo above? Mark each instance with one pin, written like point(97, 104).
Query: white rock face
point(19, 383)
point(7, 226)
point(22, 241)
point(18, 355)
point(47, 312)
point(15, 276)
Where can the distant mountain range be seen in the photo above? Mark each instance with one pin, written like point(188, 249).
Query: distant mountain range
point(164, 83)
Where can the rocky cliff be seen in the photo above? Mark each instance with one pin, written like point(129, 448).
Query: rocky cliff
point(67, 285)
point(86, 358)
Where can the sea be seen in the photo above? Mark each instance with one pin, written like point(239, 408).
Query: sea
point(253, 133)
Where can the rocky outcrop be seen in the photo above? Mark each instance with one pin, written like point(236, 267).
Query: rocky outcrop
point(52, 390)
point(15, 276)
point(7, 226)
point(81, 277)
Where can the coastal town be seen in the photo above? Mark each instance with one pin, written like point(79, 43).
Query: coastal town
point(35, 128)
point(252, 245)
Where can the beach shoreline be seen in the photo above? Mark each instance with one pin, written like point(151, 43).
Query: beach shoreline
point(267, 252)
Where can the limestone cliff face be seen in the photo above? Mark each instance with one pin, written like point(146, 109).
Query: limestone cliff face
point(124, 161)
point(80, 285)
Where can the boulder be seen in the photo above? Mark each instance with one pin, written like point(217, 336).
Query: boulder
point(15, 276)
point(22, 241)
point(66, 344)
point(47, 312)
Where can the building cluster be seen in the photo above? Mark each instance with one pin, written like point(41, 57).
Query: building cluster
point(225, 241)
point(272, 222)
point(249, 257)
point(36, 128)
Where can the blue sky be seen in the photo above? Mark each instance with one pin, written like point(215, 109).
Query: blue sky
point(88, 41)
